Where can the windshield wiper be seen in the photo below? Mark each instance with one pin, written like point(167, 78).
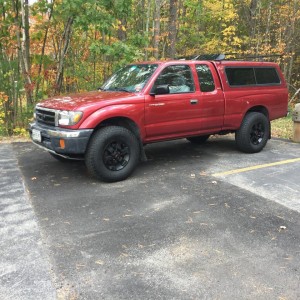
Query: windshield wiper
point(116, 90)
point(121, 90)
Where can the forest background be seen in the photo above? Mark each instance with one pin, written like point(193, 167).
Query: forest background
point(57, 46)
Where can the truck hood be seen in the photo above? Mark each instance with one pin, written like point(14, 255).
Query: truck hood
point(82, 101)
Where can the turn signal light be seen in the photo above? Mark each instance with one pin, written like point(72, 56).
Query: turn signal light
point(62, 144)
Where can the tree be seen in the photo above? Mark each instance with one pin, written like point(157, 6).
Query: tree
point(156, 30)
point(62, 50)
point(23, 44)
point(58, 46)
point(49, 11)
point(172, 29)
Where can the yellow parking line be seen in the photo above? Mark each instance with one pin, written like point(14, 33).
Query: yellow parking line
point(236, 171)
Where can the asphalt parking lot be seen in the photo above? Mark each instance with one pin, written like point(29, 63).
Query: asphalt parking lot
point(193, 222)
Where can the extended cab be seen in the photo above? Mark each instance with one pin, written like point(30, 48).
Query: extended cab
point(156, 101)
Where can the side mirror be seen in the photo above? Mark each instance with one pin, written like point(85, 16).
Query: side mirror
point(160, 90)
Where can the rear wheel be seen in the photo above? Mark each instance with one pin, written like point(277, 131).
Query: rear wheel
point(253, 133)
point(198, 139)
point(112, 154)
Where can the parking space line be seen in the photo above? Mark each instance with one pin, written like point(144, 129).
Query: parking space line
point(241, 170)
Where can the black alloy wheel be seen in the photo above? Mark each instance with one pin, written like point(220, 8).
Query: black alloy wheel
point(116, 156)
point(257, 133)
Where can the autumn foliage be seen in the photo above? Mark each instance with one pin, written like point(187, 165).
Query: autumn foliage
point(58, 46)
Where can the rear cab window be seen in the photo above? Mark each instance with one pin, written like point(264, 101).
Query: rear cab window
point(205, 77)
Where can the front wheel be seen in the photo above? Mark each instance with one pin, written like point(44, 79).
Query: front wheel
point(112, 154)
point(253, 134)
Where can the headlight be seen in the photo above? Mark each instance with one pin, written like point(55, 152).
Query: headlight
point(69, 118)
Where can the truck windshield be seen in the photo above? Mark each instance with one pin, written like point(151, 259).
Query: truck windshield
point(131, 78)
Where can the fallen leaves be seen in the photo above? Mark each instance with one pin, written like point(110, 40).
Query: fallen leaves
point(79, 266)
point(123, 254)
point(189, 221)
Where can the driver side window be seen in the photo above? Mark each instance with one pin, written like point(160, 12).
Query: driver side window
point(178, 77)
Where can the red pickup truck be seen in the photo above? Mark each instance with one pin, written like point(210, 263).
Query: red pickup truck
point(156, 101)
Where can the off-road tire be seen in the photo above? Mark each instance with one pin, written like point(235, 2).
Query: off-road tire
point(112, 154)
point(253, 134)
point(198, 139)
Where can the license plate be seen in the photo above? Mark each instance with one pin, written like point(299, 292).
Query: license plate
point(36, 135)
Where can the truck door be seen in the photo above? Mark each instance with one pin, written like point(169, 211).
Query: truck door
point(194, 104)
point(210, 98)
point(172, 114)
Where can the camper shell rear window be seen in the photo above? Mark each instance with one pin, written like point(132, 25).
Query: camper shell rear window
point(245, 76)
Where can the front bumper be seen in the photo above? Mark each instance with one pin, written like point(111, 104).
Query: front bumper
point(64, 142)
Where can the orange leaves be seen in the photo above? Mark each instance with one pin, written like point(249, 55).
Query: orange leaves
point(3, 98)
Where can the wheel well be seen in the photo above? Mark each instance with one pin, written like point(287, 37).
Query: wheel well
point(123, 122)
point(128, 124)
point(260, 109)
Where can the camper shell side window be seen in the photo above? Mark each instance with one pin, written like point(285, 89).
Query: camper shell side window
point(252, 76)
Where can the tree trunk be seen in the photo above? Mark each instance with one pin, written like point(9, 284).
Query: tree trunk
point(122, 30)
point(23, 42)
point(290, 41)
point(156, 28)
point(172, 29)
point(62, 51)
point(26, 50)
point(253, 17)
point(268, 26)
point(147, 27)
point(141, 9)
point(43, 52)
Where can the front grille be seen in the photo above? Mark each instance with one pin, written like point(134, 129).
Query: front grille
point(45, 116)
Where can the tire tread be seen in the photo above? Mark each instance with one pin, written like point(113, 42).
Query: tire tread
point(242, 134)
point(99, 138)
